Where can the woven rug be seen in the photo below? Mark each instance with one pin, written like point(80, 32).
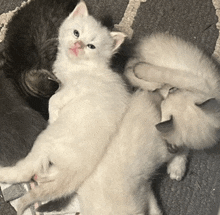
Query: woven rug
point(134, 11)
point(196, 21)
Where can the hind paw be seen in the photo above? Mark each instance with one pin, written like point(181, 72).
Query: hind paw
point(44, 177)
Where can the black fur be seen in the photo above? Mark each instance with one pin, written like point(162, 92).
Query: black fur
point(31, 45)
point(56, 205)
point(19, 124)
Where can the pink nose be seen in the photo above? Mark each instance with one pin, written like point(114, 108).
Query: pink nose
point(79, 44)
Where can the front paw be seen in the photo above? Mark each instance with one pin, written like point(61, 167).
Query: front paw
point(177, 168)
point(42, 178)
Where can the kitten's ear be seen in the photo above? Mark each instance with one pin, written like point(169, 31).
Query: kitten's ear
point(80, 10)
point(119, 38)
point(165, 126)
point(209, 105)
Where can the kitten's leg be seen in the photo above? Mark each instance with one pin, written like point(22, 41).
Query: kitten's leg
point(54, 108)
point(145, 200)
point(130, 70)
point(14, 174)
point(177, 166)
point(56, 103)
point(153, 205)
point(31, 197)
point(45, 192)
point(24, 169)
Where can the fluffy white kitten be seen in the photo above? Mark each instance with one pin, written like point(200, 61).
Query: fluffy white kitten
point(84, 113)
point(121, 182)
point(190, 84)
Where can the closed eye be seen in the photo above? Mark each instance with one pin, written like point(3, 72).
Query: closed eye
point(91, 46)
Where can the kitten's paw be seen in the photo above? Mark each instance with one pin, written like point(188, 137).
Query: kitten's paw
point(177, 168)
point(158, 212)
point(153, 205)
point(41, 178)
point(44, 177)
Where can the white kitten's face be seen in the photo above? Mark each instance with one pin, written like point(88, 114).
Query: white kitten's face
point(86, 39)
point(83, 38)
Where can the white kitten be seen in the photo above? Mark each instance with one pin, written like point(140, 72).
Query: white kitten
point(84, 113)
point(190, 114)
point(121, 182)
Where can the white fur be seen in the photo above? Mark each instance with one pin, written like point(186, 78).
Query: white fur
point(170, 60)
point(121, 182)
point(162, 62)
point(84, 113)
point(193, 127)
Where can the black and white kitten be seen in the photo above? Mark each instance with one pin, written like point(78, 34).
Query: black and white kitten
point(30, 47)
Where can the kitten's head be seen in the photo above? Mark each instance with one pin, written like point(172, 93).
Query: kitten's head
point(189, 119)
point(84, 38)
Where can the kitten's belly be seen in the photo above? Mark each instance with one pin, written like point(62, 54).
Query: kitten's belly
point(134, 154)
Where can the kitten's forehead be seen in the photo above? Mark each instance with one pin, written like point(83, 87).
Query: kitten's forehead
point(90, 28)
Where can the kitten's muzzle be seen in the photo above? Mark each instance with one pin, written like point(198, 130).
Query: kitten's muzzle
point(77, 48)
point(79, 44)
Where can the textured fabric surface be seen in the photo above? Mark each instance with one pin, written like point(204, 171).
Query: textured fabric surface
point(19, 126)
point(190, 19)
point(198, 192)
point(195, 21)
point(9, 5)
